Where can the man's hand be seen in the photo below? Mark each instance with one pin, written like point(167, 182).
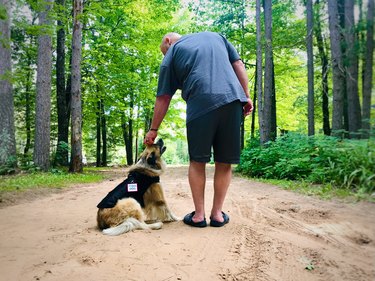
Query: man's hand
point(248, 108)
point(150, 137)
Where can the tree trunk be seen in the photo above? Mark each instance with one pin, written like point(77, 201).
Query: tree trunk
point(126, 133)
point(341, 14)
point(324, 62)
point(259, 71)
point(273, 105)
point(351, 56)
point(28, 103)
point(104, 134)
point(76, 164)
point(7, 134)
point(98, 134)
point(268, 110)
point(368, 71)
point(337, 70)
point(253, 114)
point(43, 91)
point(310, 66)
point(62, 107)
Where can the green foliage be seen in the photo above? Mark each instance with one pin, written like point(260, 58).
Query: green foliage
point(3, 12)
point(347, 164)
point(53, 179)
point(9, 167)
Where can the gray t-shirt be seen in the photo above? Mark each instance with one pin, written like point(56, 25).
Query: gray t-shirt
point(200, 65)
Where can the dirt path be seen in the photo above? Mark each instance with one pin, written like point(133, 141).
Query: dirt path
point(272, 235)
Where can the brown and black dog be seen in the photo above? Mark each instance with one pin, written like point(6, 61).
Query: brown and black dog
point(138, 199)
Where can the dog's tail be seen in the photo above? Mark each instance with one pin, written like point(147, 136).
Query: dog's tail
point(131, 224)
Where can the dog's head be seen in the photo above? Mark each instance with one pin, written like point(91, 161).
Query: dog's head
point(150, 158)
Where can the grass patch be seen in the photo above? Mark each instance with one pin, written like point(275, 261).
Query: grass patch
point(322, 191)
point(54, 179)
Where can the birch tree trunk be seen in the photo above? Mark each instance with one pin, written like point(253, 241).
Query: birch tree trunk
point(351, 57)
point(7, 135)
point(368, 70)
point(337, 70)
point(43, 90)
point(76, 164)
point(310, 66)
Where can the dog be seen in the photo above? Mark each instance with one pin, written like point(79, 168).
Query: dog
point(138, 202)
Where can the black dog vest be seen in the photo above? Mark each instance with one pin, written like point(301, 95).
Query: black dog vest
point(134, 186)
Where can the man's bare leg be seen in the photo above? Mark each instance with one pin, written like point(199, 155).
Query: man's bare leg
point(197, 181)
point(222, 179)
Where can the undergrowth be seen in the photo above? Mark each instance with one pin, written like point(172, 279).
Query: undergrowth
point(341, 164)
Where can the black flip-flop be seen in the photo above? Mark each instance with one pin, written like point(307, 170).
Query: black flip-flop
point(188, 219)
point(216, 223)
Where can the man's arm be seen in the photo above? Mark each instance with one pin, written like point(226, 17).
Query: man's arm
point(160, 110)
point(239, 69)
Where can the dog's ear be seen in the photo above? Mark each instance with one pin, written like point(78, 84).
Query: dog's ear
point(160, 143)
point(163, 149)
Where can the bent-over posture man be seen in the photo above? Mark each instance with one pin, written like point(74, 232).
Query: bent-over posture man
point(214, 84)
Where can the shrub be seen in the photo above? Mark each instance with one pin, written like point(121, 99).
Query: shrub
point(346, 164)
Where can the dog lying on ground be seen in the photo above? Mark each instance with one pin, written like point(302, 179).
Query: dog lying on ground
point(138, 199)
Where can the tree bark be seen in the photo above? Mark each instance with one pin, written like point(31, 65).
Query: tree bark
point(127, 136)
point(98, 134)
point(351, 57)
point(368, 70)
point(28, 103)
point(7, 134)
point(269, 97)
point(259, 73)
point(62, 106)
point(76, 164)
point(337, 70)
point(324, 62)
point(310, 66)
point(254, 112)
point(43, 91)
point(104, 134)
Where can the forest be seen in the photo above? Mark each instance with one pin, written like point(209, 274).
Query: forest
point(78, 83)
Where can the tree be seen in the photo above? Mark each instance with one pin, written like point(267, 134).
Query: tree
point(62, 96)
point(337, 69)
point(368, 71)
point(43, 88)
point(324, 63)
point(269, 102)
point(310, 66)
point(76, 164)
point(7, 134)
point(351, 71)
point(259, 72)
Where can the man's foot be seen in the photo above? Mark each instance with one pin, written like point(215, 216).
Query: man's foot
point(216, 223)
point(188, 219)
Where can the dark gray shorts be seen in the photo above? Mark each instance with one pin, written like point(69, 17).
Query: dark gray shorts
point(218, 129)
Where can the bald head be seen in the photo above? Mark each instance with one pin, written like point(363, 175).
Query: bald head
point(168, 40)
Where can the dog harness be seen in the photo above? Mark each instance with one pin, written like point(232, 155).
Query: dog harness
point(134, 186)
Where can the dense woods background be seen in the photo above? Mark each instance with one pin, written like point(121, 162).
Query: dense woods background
point(78, 82)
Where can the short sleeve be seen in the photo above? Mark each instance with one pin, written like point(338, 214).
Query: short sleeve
point(232, 52)
point(167, 82)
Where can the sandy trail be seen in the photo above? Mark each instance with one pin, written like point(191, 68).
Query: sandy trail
point(273, 234)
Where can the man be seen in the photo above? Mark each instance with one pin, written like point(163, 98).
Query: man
point(214, 84)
